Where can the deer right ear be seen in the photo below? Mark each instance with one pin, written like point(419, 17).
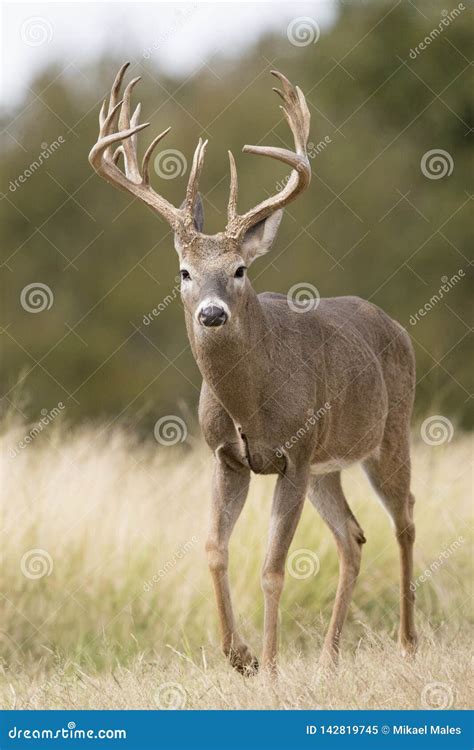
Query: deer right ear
point(259, 238)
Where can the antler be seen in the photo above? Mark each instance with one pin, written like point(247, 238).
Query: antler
point(297, 115)
point(132, 179)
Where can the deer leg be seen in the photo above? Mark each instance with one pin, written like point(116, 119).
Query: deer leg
point(390, 477)
point(229, 492)
point(328, 498)
point(287, 505)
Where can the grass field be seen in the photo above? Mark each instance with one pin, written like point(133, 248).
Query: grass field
point(107, 601)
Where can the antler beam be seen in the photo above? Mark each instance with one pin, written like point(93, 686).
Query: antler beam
point(116, 126)
point(297, 115)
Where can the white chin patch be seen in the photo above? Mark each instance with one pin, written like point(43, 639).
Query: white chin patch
point(212, 301)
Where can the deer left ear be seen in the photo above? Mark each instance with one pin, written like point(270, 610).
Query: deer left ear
point(198, 215)
point(259, 238)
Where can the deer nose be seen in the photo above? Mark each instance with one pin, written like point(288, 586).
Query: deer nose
point(212, 316)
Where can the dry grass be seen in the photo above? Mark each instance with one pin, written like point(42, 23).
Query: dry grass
point(110, 515)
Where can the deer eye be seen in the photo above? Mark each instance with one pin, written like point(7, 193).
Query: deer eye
point(240, 272)
point(185, 275)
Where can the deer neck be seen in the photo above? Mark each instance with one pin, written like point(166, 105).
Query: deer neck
point(234, 361)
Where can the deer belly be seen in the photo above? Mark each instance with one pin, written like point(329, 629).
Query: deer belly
point(327, 467)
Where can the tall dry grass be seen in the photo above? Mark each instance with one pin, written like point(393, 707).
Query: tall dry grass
point(117, 602)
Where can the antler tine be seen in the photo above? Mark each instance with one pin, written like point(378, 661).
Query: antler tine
point(297, 115)
point(129, 146)
point(116, 86)
point(193, 182)
point(233, 190)
point(106, 164)
point(148, 153)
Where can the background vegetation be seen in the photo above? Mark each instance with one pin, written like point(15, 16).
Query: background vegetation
point(107, 596)
point(372, 223)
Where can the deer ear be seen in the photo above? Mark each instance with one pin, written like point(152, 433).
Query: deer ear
point(198, 213)
point(259, 238)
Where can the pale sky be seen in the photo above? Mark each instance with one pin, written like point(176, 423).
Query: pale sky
point(177, 36)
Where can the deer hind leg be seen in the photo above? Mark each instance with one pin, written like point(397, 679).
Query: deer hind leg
point(390, 477)
point(229, 492)
point(328, 498)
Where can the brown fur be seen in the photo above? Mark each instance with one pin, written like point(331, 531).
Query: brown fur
point(297, 394)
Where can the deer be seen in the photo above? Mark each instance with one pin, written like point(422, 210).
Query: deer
point(267, 367)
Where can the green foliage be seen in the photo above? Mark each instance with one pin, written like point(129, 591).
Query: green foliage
point(372, 223)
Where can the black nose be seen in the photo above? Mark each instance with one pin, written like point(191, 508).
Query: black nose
point(212, 315)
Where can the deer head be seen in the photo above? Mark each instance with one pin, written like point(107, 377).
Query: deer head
point(213, 267)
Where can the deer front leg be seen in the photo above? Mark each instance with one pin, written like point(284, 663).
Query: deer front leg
point(288, 502)
point(229, 492)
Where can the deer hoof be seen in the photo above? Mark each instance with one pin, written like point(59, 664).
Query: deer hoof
point(243, 661)
point(328, 661)
point(408, 646)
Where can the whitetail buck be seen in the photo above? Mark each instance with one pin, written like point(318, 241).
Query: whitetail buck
point(267, 369)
